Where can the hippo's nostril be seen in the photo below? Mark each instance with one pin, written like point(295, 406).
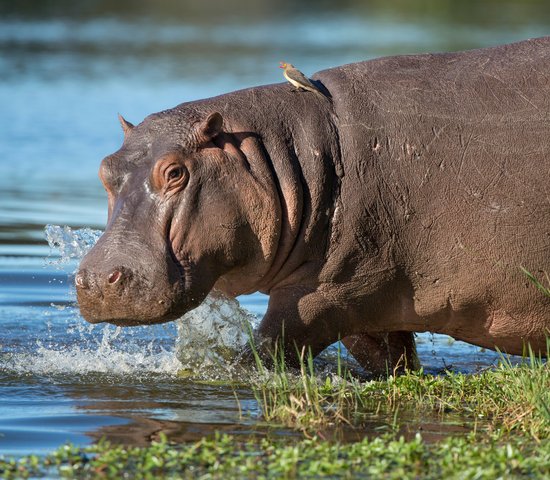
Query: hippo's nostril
point(80, 281)
point(115, 276)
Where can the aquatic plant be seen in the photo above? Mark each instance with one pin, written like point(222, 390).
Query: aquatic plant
point(224, 456)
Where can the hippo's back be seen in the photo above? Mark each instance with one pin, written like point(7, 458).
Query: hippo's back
point(508, 80)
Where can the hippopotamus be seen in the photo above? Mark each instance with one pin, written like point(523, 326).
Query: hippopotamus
point(411, 197)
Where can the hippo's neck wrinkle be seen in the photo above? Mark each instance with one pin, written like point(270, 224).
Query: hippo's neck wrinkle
point(308, 212)
point(288, 179)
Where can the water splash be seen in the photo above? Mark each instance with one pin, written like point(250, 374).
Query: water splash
point(100, 352)
point(214, 333)
point(206, 342)
point(70, 244)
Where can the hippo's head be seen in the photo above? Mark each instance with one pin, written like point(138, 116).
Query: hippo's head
point(185, 214)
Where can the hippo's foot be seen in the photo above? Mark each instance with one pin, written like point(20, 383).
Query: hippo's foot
point(383, 354)
point(260, 352)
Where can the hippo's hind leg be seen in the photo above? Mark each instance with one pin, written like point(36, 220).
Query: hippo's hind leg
point(383, 353)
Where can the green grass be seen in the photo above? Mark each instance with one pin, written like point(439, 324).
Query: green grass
point(510, 398)
point(227, 457)
point(302, 399)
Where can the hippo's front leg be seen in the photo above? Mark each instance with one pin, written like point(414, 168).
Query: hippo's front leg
point(382, 354)
point(301, 316)
point(298, 317)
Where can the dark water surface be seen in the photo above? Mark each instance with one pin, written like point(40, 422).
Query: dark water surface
point(66, 69)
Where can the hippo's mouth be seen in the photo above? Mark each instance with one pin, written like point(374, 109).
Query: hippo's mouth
point(178, 259)
point(183, 269)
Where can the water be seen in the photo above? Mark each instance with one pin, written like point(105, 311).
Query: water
point(66, 69)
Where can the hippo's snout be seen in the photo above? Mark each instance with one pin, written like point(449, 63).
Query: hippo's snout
point(129, 288)
point(101, 292)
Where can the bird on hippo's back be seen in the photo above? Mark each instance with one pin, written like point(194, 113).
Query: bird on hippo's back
point(298, 79)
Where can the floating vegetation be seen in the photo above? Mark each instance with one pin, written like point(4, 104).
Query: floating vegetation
point(226, 457)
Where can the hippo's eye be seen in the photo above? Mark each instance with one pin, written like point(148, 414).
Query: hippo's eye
point(169, 175)
point(174, 173)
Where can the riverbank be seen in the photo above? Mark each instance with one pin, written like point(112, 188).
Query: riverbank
point(507, 409)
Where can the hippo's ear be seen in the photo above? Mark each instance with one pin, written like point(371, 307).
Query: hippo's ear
point(209, 128)
point(125, 124)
